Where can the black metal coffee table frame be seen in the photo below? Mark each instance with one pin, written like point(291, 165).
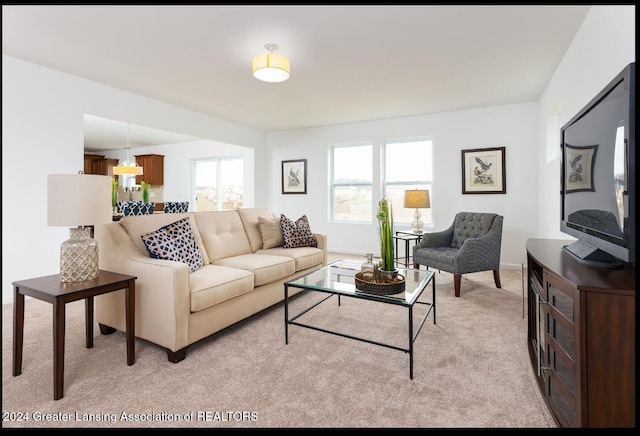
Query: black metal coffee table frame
point(351, 292)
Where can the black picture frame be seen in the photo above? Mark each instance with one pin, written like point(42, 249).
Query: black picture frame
point(579, 165)
point(484, 171)
point(294, 176)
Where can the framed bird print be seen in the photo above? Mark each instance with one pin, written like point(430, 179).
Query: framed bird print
point(294, 176)
point(578, 168)
point(484, 171)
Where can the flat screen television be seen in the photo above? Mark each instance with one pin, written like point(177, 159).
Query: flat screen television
point(597, 173)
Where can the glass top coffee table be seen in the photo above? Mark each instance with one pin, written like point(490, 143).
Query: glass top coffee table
point(325, 280)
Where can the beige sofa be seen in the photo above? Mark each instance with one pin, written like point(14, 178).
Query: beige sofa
point(176, 307)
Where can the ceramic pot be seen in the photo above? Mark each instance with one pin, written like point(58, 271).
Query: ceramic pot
point(387, 276)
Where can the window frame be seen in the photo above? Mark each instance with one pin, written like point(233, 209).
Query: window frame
point(333, 185)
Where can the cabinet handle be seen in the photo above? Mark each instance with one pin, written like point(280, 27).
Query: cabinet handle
point(539, 353)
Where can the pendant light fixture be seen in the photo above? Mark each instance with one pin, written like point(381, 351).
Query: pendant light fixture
point(128, 167)
point(270, 67)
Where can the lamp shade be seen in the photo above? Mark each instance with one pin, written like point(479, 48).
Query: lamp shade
point(417, 198)
point(271, 68)
point(128, 169)
point(78, 199)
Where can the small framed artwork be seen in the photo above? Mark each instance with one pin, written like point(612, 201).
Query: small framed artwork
point(578, 167)
point(294, 176)
point(484, 171)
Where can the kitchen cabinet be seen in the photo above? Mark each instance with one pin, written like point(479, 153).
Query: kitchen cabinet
point(104, 167)
point(89, 159)
point(153, 168)
point(98, 164)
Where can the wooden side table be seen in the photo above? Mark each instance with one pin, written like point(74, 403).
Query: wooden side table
point(51, 290)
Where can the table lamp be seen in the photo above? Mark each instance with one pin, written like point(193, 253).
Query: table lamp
point(81, 200)
point(418, 198)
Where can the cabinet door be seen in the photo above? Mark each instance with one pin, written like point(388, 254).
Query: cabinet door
point(89, 161)
point(104, 167)
point(561, 350)
point(153, 168)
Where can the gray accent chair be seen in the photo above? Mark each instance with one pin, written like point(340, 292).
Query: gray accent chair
point(471, 244)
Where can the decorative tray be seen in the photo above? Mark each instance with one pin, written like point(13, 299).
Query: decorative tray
point(380, 288)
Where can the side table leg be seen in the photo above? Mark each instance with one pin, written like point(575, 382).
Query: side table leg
point(18, 330)
point(406, 253)
point(58, 348)
point(130, 310)
point(88, 316)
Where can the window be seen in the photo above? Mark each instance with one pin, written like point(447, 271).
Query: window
point(218, 183)
point(407, 165)
point(351, 183)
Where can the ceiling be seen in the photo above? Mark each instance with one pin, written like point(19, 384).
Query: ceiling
point(348, 63)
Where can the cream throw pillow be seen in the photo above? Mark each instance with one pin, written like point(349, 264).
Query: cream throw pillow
point(271, 233)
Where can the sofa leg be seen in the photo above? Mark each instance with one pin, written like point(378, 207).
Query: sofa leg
point(105, 329)
point(496, 278)
point(176, 356)
point(456, 283)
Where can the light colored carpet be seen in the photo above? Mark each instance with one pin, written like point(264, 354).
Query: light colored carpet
point(471, 369)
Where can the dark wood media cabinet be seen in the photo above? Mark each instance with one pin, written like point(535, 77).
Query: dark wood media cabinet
point(581, 337)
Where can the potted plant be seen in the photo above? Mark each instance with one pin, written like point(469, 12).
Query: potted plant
point(145, 191)
point(385, 228)
point(114, 194)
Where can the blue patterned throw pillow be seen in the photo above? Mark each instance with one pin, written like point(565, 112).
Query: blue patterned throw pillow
point(174, 241)
point(297, 234)
point(136, 207)
point(176, 206)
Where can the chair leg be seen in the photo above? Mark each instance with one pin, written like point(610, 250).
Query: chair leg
point(456, 283)
point(496, 278)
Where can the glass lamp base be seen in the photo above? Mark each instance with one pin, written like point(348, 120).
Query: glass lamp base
point(79, 256)
point(417, 224)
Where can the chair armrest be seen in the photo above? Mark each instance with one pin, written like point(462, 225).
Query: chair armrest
point(483, 251)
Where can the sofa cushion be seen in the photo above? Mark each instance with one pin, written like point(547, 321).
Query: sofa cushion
point(250, 220)
point(271, 233)
point(213, 284)
point(297, 234)
point(137, 225)
point(265, 268)
point(223, 234)
point(176, 242)
point(305, 257)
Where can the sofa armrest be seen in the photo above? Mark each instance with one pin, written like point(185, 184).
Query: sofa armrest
point(163, 297)
point(322, 244)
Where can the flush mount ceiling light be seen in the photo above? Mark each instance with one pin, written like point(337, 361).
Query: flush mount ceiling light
point(270, 67)
point(128, 167)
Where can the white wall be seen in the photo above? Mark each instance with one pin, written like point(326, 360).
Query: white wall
point(43, 133)
point(603, 46)
point(42, 130)
point(512, 126)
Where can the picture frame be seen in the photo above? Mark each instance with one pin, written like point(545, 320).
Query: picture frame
point(484, 171)
point(294, 176)
point(578, 168)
